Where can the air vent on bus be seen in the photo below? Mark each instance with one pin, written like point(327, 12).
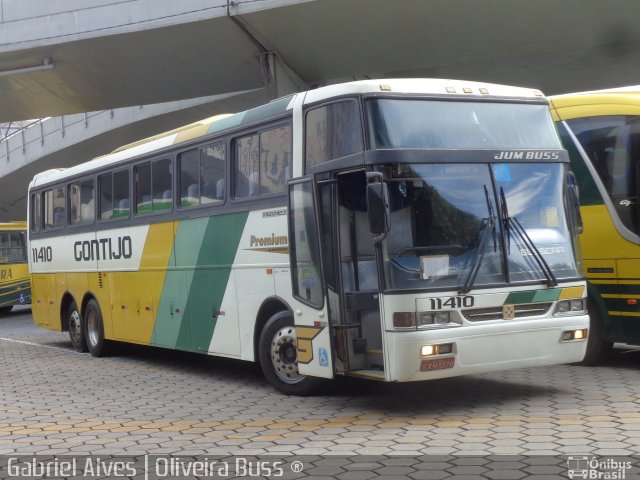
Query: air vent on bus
point(496, 313)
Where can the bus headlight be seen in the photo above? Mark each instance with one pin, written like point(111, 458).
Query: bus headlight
point(404, 319)
point(573, 306)
point(411, 320)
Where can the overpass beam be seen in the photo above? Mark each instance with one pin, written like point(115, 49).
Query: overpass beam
point(278, 77)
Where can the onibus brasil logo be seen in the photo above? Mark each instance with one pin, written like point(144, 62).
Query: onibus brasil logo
point(597, 468)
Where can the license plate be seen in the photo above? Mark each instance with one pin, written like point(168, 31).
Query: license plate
point(437, 364)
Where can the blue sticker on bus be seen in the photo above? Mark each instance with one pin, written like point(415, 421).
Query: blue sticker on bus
point(323, 357)
point(502, 172)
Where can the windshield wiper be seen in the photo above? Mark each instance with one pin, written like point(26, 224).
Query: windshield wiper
point(509, 222)
point(489, 226)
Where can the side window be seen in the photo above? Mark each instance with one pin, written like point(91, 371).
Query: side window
point(161, 185)
point(153, 182)
point(142, 176)
point(246, 166)
point(202, 173)
point(275, 155)
point(612, 143)
point(332, 131)
point(81, 203)
point(36, 212)
point(12, 247)
point(54, 208)
point(262, 162)
point(114, 195)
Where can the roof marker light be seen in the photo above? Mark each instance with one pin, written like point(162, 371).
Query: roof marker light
point(385, 88)
point(484, 91)
point(451, 90)
point(467, 90)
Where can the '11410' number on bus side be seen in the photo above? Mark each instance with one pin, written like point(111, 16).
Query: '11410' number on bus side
point(451, 302)
point(42, 254)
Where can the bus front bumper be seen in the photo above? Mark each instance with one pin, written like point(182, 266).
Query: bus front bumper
point(483, 348)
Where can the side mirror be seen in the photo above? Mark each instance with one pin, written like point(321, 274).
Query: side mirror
point(378, 208)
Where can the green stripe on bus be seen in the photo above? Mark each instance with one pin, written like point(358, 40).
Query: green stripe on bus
point(171, 309)
point(199, 268)
point(532, 296)
point(213, 268)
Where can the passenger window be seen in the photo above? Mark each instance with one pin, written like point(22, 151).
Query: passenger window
point(247, 167)
point(161, 185)
point(114, 195)
point(143, 188)
point(332, 131)
point(262, 162)
point(81, 203)
point(202, 172)
point(12, 247)
point(275, 155)
point(36, 213)
point(54, 208)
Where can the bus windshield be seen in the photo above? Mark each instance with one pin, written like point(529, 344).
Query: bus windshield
point(446, 218)
point(411, 123)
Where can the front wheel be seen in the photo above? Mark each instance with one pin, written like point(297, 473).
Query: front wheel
point(597, 347)
point(76, 329)
point(278, 355)
point(94, 330)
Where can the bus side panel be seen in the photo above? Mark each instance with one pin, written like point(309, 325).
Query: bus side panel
point(192, 293)
point(626, 327)
point(613, 271)
point(15, 288)
point(44, 297)
point(212, 282)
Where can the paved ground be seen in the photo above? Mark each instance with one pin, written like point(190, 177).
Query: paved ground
point(54, 401)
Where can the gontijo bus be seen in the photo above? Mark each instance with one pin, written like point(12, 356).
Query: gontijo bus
point(601, 131)
point(396, 230)
point(15, 287)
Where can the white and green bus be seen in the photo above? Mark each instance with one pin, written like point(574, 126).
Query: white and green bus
point(396, 230)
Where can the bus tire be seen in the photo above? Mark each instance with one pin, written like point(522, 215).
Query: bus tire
point(597, 347)
point(6, 309)
point(94, 330)
point(76, 328)
point(278, 357)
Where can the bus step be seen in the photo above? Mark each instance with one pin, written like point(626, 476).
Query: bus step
point(371, 374)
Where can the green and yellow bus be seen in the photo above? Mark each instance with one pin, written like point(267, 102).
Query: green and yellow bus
point(15, 286)
point(395, 230)
point(601, 131)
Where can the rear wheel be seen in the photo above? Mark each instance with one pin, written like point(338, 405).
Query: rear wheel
point(76, 328)
point(94, 330)
point(278, 355)
point(6, 309)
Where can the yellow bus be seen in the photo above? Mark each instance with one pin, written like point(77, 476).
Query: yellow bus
point(396, 230)
point(15, 286)
point(601, 131)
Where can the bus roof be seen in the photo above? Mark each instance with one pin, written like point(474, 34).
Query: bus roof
point(612, 101)
point(426, 86)
point(279, 107)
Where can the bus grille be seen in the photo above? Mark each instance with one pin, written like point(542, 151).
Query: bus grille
point(495, 313)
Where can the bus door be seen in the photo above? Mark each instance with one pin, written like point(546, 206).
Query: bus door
point(351, 274)
point(313, 331)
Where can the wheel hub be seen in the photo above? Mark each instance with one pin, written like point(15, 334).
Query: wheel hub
point(284, 355)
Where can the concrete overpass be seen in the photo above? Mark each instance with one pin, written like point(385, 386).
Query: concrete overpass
point(74, 56)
